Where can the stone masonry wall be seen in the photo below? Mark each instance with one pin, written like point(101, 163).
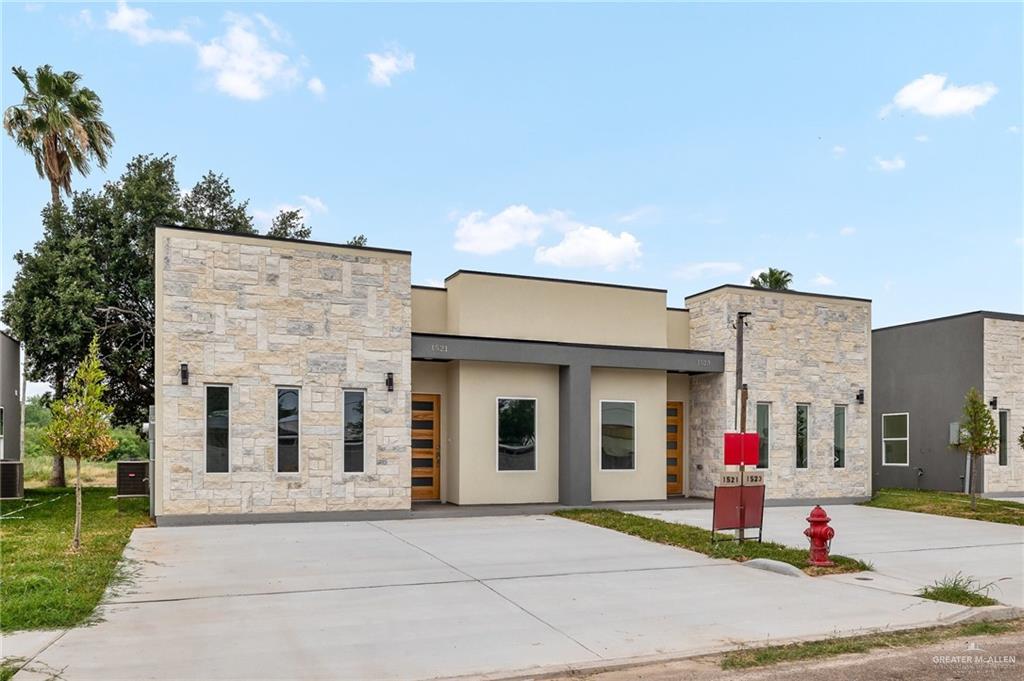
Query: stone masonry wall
point(1004, 380)
point(256, 314)
point(798, 349)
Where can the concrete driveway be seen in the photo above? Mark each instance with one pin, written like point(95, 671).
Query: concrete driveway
point(907, 550)
point(425, 598)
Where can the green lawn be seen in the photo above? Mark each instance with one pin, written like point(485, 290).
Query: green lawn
point(948, 504)
point(42, 585)
point(697, 539)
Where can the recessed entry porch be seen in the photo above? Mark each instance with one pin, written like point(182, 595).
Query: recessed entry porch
point(509, 421)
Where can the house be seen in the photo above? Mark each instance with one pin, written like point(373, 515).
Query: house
point(921, 373)
point(305, 377)
point(11, 474)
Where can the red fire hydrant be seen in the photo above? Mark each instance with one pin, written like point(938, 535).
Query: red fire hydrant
point(820, 536)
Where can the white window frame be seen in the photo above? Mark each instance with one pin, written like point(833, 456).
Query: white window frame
point(999, 457)
point(796, 436)
point(298, 430)
point(846, 432)
point(885, 439)
point(536, 434)
point(344, 458)
point(206, 430)
point(769, 442)
point(636, 439)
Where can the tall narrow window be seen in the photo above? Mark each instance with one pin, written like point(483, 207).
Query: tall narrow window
point(218, 428)
point(839, 436)
point(287, 430)
point(764, 412)
point(517, 434)
point(896, 439)
point(802, 413)
point(1004, 430)
point(355, 405)
point(618, 436)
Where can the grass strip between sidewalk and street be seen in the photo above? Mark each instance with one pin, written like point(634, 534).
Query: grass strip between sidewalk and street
point(952, 504)
point(960, 589)
point(42, 584)
point(699, 540)
point(812, 650)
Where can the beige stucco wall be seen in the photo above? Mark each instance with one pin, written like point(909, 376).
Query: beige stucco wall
point(515, 307)
point(1004, 379)
point(429, 310)
point(678, 329)
point(257, 314)
point(479, 481)
point(798, 349)
point(431, 378)
point(648, 389)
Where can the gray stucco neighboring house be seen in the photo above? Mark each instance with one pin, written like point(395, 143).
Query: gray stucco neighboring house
point(921, 373)
point(10, 397)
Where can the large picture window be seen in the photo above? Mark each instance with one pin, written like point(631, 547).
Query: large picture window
point(218, 428)
point(803, 412)
point(1004, 431)
point(839, 436)
point(287, 430)
point(517, 434)
point(896, 439)
point(764, 413)
point(618, 436)
point(355, 406)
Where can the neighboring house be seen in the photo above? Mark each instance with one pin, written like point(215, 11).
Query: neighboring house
point(10, 398)
point(298, 376)
point(922, 372)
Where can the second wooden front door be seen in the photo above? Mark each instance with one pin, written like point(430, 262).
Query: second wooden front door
point(426, 447)
point(674, 447)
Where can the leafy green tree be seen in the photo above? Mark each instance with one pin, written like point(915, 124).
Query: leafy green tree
point(357, 240)
point(978, 436)
point(288, 224)
point(59, 124)
point(211, 205)
point(80, 428)
point(51, 306)
point(774, 279)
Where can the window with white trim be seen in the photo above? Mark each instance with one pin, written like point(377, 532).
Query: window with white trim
point(764, 418)
point(618, 436)
point(355, 431)
point(839, 436)
point(287, 430)
point(517, 434)
point(218, 428)
point(803, 416)
point(896, 439)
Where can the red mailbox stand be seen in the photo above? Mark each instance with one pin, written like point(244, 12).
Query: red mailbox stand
point(738, 506)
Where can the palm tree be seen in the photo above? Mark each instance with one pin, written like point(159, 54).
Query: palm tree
point(59, 124)
point(776, 280)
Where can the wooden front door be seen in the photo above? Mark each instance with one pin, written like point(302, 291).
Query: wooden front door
point(426, 447)
point(674, 447)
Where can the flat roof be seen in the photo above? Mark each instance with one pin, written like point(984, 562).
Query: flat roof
point(987, 314)
point(554, 279)
point(267, 237)
point(783, 291)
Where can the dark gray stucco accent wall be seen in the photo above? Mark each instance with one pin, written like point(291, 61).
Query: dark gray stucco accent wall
point(925, 369)
point(10, 392)
point(575, 362)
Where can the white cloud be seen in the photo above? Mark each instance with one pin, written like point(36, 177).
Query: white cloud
point(1019, 241)
point(839, 151)
point(921, 138)
point(639, 213)
point(515, 226)
point(847, 231)
point(822, 280)
point(316, 86)
point(134, 22)
point(756, 273)
point(243, 64)
point(390, 63)
point(890, 165)
point(699, 270)
point(313, 203)
point(930, 95)
point(1014, 129)
point(588, 246)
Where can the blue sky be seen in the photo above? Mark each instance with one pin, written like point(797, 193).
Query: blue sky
point(872, 150)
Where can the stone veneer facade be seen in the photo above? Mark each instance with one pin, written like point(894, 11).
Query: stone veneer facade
point(798, 349)
point(255, 314)
point(1004, 380)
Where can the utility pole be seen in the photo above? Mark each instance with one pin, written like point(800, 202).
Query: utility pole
point(741, 398)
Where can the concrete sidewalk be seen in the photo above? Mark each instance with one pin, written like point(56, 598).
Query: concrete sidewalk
point(908, 550)
point(418, 599)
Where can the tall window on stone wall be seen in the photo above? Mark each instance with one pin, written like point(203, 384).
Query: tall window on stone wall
point(764, 412)
point(802, 417)
point(896, 439)
point(287, 430)
point(355, 406)
point(839, 436)
point(618, 436)
point(1004, 431)
point(517, 434)
point(218, 428)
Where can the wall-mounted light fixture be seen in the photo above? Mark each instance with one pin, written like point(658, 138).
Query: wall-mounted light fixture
point(860, 396)
point(390, 382)
point(994, 403)
point(184, 373)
